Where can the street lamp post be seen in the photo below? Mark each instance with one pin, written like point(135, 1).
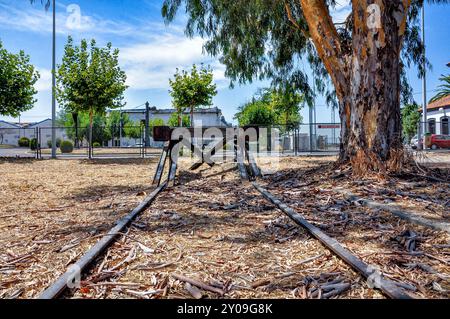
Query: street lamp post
point(54, 82)
point(424, 83)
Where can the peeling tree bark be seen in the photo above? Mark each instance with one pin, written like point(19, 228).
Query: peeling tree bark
point(367, 79)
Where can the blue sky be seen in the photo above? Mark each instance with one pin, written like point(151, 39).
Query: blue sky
point(151, 51)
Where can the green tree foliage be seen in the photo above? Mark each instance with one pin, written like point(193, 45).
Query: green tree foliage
point(17, 79)
point(174, 120)
point(100, 131)
point(410, 120)
point(113, 123)
point(134, 130)
point(256, 112)
point(443, 89)
point(191, 90)
point(89, 80)
point(272, 107)
point(155, 122)
point(265, 39)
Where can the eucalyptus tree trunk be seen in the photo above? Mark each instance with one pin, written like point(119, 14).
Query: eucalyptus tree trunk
point(367, 79)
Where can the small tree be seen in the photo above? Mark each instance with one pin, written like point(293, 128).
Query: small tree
point(155, 122)
point(17, 79)
point(133, 130)
point(257, 112)
point(90, 80)
point(272, 106)
point(179, 120)
point(115, 122)
point(410, 120)
point(192, 90)
point(286, 104)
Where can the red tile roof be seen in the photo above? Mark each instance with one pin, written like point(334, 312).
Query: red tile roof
point(445, 101)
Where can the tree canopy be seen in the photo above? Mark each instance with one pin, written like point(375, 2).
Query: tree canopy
point(272, 39)
point(17, 79)
point(190, 90)
point(89, 78)
point(271, 107)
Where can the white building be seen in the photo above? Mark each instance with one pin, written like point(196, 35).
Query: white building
point(438, 114)
point(205, 117)
point(10, 133)
point(202, 117)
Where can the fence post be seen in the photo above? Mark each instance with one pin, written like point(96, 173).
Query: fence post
point(295, 141)
point(144, 141)
point(90, 142)
point(38, 142)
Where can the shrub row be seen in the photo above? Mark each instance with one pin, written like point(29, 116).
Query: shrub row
point(64, 146)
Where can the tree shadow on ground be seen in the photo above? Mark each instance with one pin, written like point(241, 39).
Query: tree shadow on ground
point(120, 161)
point(18, 160)
point(93, 192)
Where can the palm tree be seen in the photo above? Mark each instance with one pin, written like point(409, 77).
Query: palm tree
point(443, 89)
point(47, 3)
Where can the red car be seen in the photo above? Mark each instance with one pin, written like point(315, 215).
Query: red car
point(440, 141)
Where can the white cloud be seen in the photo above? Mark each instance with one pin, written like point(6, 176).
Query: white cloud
point(150, 64)
point(67, 22)
point(45, 81)
point(150, 56)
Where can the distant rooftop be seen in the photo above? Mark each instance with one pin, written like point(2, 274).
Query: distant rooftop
point(155, 110)
point(443, 102)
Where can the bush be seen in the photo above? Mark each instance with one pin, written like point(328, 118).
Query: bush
point(96, 145)
point(33, 144)
point(58, 143)
point(24, 142)
point(66, 147)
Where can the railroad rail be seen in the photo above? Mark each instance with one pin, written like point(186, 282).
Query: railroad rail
point(248, 172)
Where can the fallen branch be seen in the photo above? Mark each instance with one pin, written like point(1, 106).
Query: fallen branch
point(198, 284)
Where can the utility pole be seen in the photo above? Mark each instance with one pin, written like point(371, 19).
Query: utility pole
point(424, 85)
point(54, 83)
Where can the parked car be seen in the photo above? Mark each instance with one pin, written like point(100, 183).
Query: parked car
point(137, 145)
point(440, 141)
point(415, 143)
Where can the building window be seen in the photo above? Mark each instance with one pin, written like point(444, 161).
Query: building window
point(432, 126)
point(444, 126)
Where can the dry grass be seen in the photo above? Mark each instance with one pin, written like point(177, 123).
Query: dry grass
point(378, 237)
point(220, 231)
point(211, 227)
point(51, 212)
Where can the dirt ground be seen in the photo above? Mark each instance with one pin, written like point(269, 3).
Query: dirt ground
point(403, 251)
point(213, 228)
point(52, 211)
